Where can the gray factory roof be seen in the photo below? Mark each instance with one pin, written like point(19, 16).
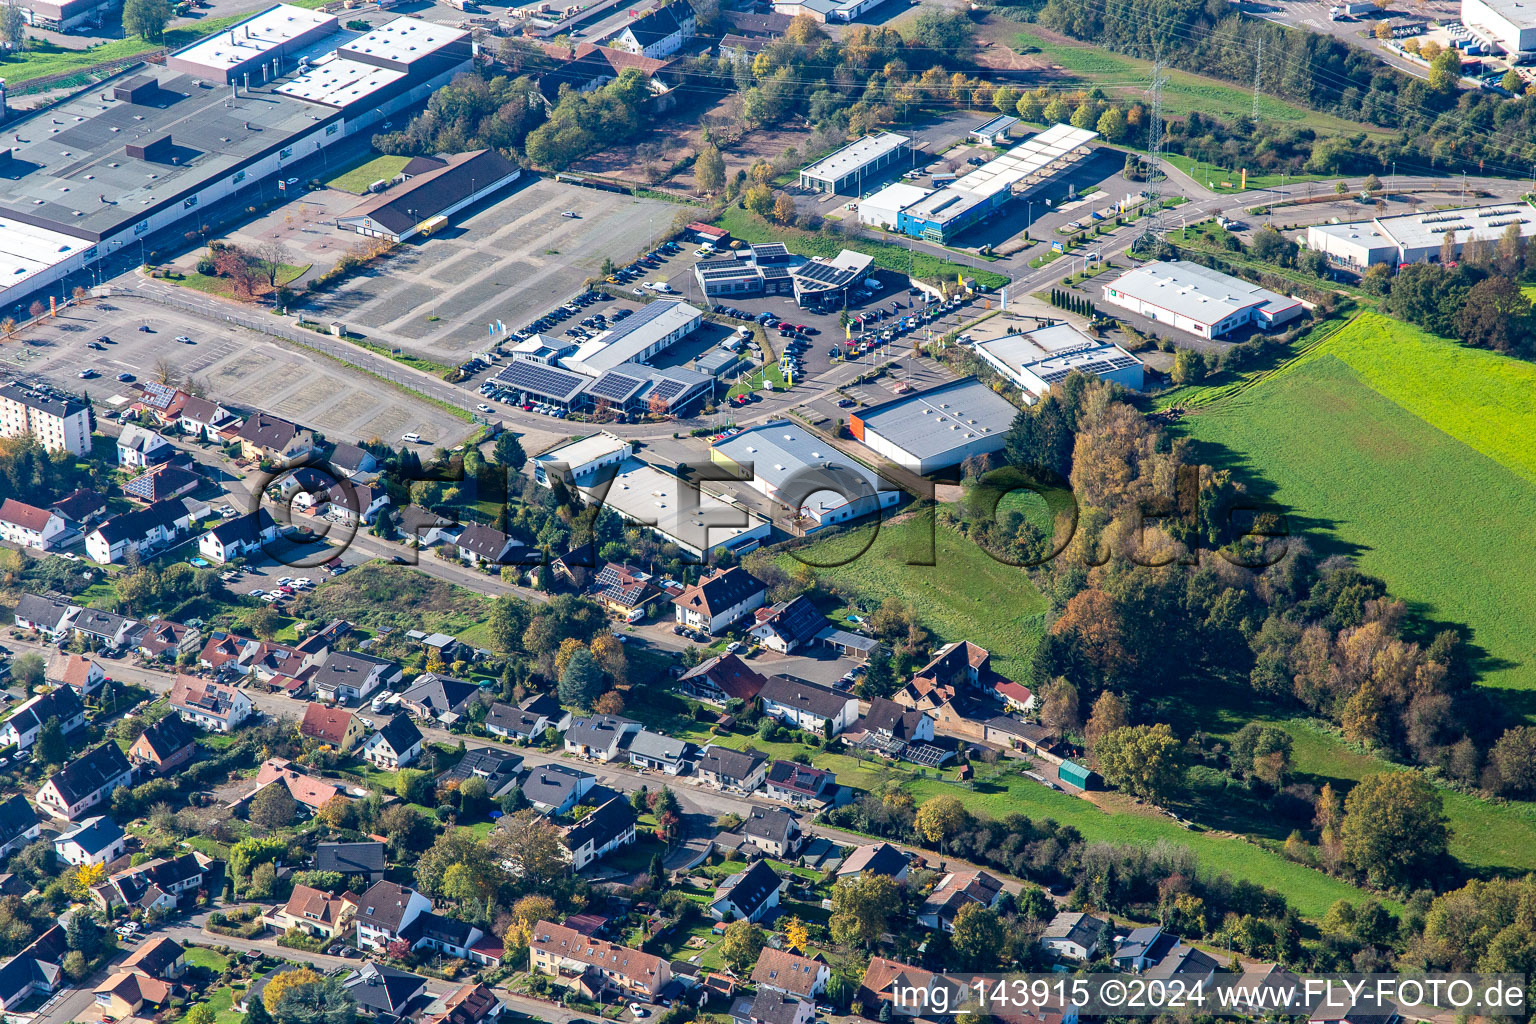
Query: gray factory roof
point(256, 37)
point(1200, 293)
point(632, 336)
point(1488, 223)
point(69, 170)
point(858, 154)
point(782, 451)
point(933, 422)
point(1051, 353)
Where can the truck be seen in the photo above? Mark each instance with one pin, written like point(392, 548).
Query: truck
point(1342, 11)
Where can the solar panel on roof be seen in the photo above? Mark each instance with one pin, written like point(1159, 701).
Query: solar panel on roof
point(669, 389)
point(541, 380)
point(924, 754)
point(615, 386)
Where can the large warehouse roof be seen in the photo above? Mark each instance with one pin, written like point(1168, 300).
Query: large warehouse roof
point(1049, 354)
point(633, 335)
point(1488, 223)
point(26, 250)
point(781, 451)
point(647, 495)
point(855, 155)
point(1042, 155)
point(930, 423)
point(335, 81)
point(1199, 293)
point(258, 37)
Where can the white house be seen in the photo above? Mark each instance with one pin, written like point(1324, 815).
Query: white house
point(210, 705)
point(85, 782)
point(660, 33)
point(139, 448)
point(238, 537)
point(385, 911)
point(395, 745)
point(96, 840)
point(809, 706)
point(720, 599)
point(141, 532)
point(28, 526)
point(22, 727)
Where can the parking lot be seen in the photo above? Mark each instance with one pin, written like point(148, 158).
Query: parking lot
point(510, 260)
point(237, 367)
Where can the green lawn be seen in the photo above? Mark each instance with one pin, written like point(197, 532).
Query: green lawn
point(380, 168)
point(964, 595)
point(44, 58)
point(753, 230)
point(286, 273)
point(1387, 442)
point(199, 956)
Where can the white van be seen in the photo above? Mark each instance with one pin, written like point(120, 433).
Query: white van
point(411, 438)
point(660, 286)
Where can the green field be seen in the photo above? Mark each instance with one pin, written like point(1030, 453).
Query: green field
point(380, 168)
point(44, 58)
point(1413, 453)
point(964, 595)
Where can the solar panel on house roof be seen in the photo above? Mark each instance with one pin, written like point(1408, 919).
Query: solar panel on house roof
point(158, 396)
point(821, 273)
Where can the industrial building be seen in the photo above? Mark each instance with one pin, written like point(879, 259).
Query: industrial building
point(845, 171)
point(883, 208)
point(678, 512)
point(1417, 237)
point(824, 11)
point(824, 283)
point(938, 428)
point(1198, 299)
point(425, 201)
point(629, 389)
point(1509, 24)
point(975, 196)
point(755, 270)
point(656, 327)
point(579, 459)
point(1037, 360)
point(817, 484)
point(153, 147)
point(67, 15)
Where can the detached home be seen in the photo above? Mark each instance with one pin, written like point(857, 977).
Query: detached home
point(138, 448)
point(721, 679)
point(659, 33)
point(810, 706)
point(238, 537)
point(384, 912)
point(266, 437)
point(954, 891)
point(720, 599)
point(800, 784)
point(775, 831)
point(79, 672)
point(750, 895)
point(212, 706)
point(344, 677)
point(96, 840)
point(1072, 935)
point(45, 615)
point(734, 771)
point(139, 532)
point(607, 828)
point(594, 967)
point(333, 726)
point(85, 782)
point(395, 745)
point(28, 526)
point(783, 971)
point(19, 824)
point(22, 727)
point(481, 545)
point(164, 746)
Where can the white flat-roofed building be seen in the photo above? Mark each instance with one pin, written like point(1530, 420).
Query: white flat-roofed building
point(1509, 23)
point(35, 257)
point(845, 170)
point(257, 46)
point(582, 457)
point(401, 43)
point(335, 81)
point(678, 512)
point(998, 130)
point(1038, 360)
point(1418, 237)
point(938, 428)
point(883, 208)
point(817, 483)
point(825, 11)
point(636, 338)
point(1197, 299)
point(57, 419)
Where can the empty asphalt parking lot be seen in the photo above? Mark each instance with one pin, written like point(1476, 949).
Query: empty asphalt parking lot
point(237, 367)
point(510, 260)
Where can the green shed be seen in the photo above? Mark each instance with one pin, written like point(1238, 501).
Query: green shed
point(1074, 774)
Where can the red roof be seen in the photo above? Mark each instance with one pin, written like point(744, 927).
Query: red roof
point(325, 723)
point(700, 228)
point(28, 517)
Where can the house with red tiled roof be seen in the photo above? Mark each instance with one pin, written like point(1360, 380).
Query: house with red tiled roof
point(316, 913)
point(306, 789)
point(28, 526)
point(721, 679)
point(79, 672)
point(332, 725)
point(594, 966)
point(213, 706)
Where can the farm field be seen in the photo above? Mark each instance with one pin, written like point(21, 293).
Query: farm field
point(1368, 466)
point(965, 595)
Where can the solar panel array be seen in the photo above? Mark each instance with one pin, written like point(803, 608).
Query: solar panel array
point(541, 380)
point(925, 754)
point(714, 271)
point(157, 396)
point(668, 389)
point(825, 276)
point(615, 386)
point(1091, 367)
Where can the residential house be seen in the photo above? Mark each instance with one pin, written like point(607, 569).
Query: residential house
point(469, 1004)
point(555, 788)
point(158, 957)
point(46, 615)
point(163, 639)
point(608, 827)
point(660, 32)
point(131, 994)
point(799, 784)
point(750, 895)
point(209, 705)
point(427, 527)
point(85, 782)
point(19, 824)
point(625, 590)
point(548, 705)
point(238, 537)
point(264, 437)
point(23, 725)
point(385, 994)
point(1015, 696)
point(79, 672)
point(315, 913)
point(452, 936)
point(515, 723)
point(721, 679)
point(140, 532)
point(307, 790)
point(652, 750)
point(106, 630)
point(385, 910)
point(28, 526)
point(498, 769)
point(954, 891)
point(720, 599)
point(366, 859)
point(81, 507)
point(810, 706)
point(875, 859)
point(1073, 935)
point(734, 771)
point(771, 1006)
point(593, 966)
point(164, 745)
point(203, 418)
point(1194, 967)
point(599, 738)
point(958, 664)
point(1143, 948)
point(775, 831)
point(234, 655)
point(352, 503)
point(482, 545)
point(96, 840)
point(892, 726)
point(346, 676)
point(138, 448)
point(787, 625)
point(787, 972)
point(156, 884)
point(395, 745)
point(336, 727)
point(354, 463)
point(434, 697)
point(36, 971)
point(890, 983)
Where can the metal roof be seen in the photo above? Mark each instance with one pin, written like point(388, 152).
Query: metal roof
point(930, 423)
point(1187, 289)
point(632, 335)
point(1487, 223)
point(257, 36)
point(782, 451)
point(855, 155)
point(1051, 353)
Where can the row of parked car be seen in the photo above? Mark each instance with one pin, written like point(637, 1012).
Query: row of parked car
point(649, 261)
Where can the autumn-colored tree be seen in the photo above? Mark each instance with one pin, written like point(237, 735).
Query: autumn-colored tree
point(796, 934)
point(1093, 625)
point(1109, 713)
point(783, 208)
point(1059, 709)
point(1394, 829)
point(742, 944)
point(568, 647)
point(608, 652)
point(862, 908)
point(610, 703)
point(527, 912)
point(940, 818)
point(759, 200)
point(1143, 760)
point(83, 878)
point(979, 937)
point(657, 406)
point(233, 263)
point(285, 980)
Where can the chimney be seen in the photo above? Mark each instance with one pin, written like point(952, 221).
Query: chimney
point(247, 83)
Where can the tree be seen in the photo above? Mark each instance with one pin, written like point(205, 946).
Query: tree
point(274, 807)
point(83, 878)
point(783, 208)
point(1143, 760)
point(1371, 185)
point(1188, 367)
point(508, 621)
point(337, 812)
point(1112, 124)
point(13, 25)
point(29, 672)
point(742, 944)
point(1109, 713)
point(533, 845)
point(1383, 30)
point(1445, 70)
point(1497, 315)
point(979, 937)
point(281, 983)
point(796, 934)
point(527, 912)
point(1394, 829)
point(202, 1013)
point(52, 747)
point(271, 256)
point(1059, 706)
point(406, 832)
point(582, 681)
point(1514, 760)
point(709, 170)
point(862, 908)
point(1271, 246)
point(147, 19)
point(759, 200)
point(508, 452)
point(325, 1001)
point(459, 867)
point(940, 818)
